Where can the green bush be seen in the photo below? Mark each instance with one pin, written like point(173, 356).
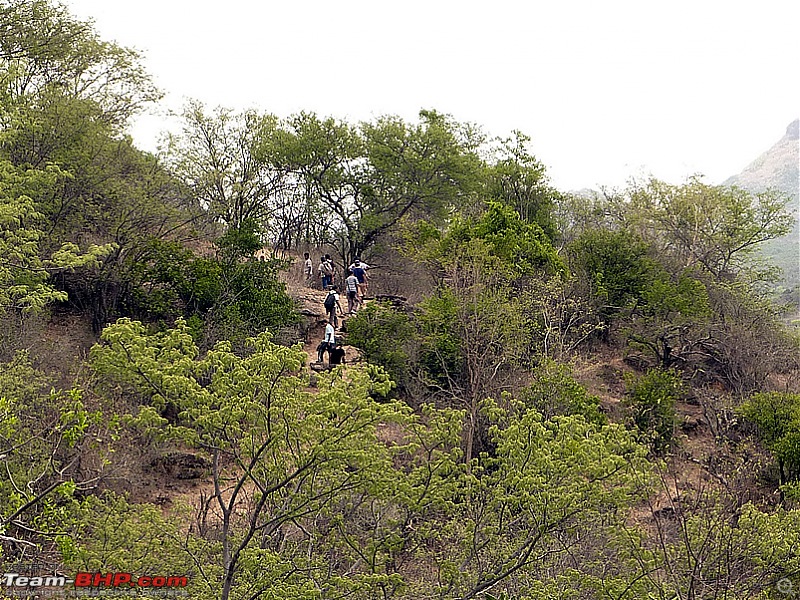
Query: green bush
point(381, 332)
point(777, 417)
point(554, 392)
point(614, 265)
point(650, 399)
point(223, 297)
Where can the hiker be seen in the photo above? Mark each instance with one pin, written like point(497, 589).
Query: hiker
point(360, 272)
point(336, 355)
point(322, 269)
point(331, 304)
point(351, 287)
point(358, 260)
point(331, 269)
point(326, 344)
point(308, 268)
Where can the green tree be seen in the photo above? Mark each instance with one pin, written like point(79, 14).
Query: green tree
point(614, 266)
point(369, 178)
point(382, 334)
point(284, 461)
point(555, 392)
point(45, 50)
point(777, 417)
point(716, 228)
point(224, 162)
point(24, 273)
point(671, 323)
point(518, 180)
point(474, 334)
point(230, 295)
point(521, 248)
point(46, 438)
point(548, 484)
point(651, 399)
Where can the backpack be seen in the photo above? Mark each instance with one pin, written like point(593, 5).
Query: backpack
point(330, 301)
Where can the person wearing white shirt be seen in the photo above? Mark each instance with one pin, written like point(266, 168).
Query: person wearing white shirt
point(328, 343)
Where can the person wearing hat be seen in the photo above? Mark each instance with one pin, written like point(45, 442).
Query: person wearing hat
point(332, 304)
point(360, 271)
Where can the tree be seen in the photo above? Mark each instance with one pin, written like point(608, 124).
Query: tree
point(521, 248)
point(221, 157)
point(777, 417)
point(518, 180)
point(51, 446)
point(549, 486)
point(24, 274)
point(474, 334)
point(46, 51)
point(650, 400)
point(614, 266)
point(65, 98)
point(284, 461)
point(715, 228)
point(369, 178)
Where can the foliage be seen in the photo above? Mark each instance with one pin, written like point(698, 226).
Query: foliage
point(370, 177)
point(563, 318)
point(548, 483)
point(777, 417)
point(714, 228)
point(45, 49)
point(522, 248)
point(555, 392)
point(517, 179)
point(109, 533)
point(381, 333)
point(651, 399)
point(281, 456)
point(24, 273)
point(44, 433)
point(230, 296)
point(219, 156)
point(614, 265)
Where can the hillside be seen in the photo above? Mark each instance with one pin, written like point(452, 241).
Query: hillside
point(542, 396)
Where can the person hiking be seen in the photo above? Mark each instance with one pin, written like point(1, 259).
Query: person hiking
point(351, 288)
point(326, 344)
point(361, 263)
point(361, 274)
point(308, 268)
point(322, 270)
point(331, 304)
point(336, 355)
point(331, 269)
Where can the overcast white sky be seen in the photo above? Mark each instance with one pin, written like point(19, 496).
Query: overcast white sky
point(605, 89)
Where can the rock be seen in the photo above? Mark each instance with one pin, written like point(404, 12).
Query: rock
point(181, 465)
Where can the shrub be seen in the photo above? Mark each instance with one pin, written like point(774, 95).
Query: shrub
point(381, 332)
point(555, 392)
point(651, 398)
point(777, 416)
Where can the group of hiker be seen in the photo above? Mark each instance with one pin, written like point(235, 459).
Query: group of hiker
point(355, 286)
point(327, 273)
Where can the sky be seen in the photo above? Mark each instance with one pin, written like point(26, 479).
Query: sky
point(606, 90)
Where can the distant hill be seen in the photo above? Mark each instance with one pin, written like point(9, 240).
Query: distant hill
point(776, 168)
point(779, 168)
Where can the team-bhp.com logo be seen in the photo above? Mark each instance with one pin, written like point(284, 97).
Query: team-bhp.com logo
point(16, 581)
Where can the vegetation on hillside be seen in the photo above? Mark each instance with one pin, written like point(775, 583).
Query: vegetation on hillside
point(593, 398)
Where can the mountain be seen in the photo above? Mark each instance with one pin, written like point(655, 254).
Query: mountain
point(776, 168)
point(779, 168)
